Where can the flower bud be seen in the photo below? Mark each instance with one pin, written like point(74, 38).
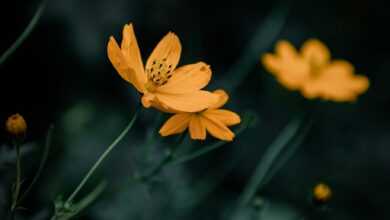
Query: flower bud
point(322, 193)
point(16, 125)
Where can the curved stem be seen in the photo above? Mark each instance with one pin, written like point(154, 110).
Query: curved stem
point(18, 178)
point(103, 156)
point(25, 33)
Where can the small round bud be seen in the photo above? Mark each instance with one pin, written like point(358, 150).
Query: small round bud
point(16, 125)
point(322, 193)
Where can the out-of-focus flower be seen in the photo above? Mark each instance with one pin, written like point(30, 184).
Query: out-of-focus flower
point(322, 193)
point(213, 120)
point(16, 125)
point(162, 84)
point(313, 73)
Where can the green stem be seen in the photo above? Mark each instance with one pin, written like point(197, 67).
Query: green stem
point(25, 33)
point(103, 156)
point(268, 160)
point(167, 159)
point(18, 178)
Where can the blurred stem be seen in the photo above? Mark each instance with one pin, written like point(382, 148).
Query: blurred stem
point(167, 159)
point(268, 159)
point(41, 164)
point(16, 192)
point(103, 156)
point(25, 33)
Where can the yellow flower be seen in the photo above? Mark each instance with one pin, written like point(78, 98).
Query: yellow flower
point(322, 192)
point(162, 84)
point(16, 125)
point(313, 73)
point(214, 120)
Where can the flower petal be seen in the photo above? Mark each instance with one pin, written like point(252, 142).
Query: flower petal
point(168, 48)
point(148, 99)
point(132, 54)
point(285, 50)
point(188, 102)
point(223, 97)
point(271, 62)
point(315, 52)
point(336, 82)
point(197, 128)
point(175, 124)
point(217, 129)
point(225, 116)
point(188, 78)
point(117, 59)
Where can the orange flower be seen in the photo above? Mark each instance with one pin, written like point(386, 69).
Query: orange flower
point(313, 73)
point(162, 84)
point(213, 120)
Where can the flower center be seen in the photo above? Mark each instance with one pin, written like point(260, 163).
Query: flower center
point(160, 72)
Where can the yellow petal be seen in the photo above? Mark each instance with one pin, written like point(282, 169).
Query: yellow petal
point(188, 102)
point(197, 128)
point(336, 82)
point(175, 124)
point(168, 48)
point(315, 52)
point(188, 78)
point(293, 73)
point(148, 99)
point(117, 59)
point(223, 97)
point(217, 129)
point(271, 62)
point(285, 50)
point(132, 54)
point(227, 117)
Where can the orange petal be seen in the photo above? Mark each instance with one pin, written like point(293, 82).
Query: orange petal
point(197, 128)
point(117, 59)
point(293, 73)
point(336, 82)
point(132, 54)
point(217, 129)
point(225, 116)
point(148, 99)
point(187, 102)
point(188, 78)
point(223, 97)
point(168, 48)
point(285, 50)
point(315, 52)
point(175, 124)
point(271, 62)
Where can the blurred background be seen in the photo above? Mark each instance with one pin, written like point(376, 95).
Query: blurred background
point(61, 76)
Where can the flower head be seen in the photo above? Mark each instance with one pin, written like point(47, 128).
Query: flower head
point(162, 84)
point(16, 125)
point(313, 73)
point(213, 120)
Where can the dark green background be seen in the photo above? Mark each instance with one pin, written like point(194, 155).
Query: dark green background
point(61, 75)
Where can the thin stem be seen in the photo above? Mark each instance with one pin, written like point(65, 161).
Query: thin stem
point(167, 159)
point(18, 177)
point(268, 160)
point(30, 27)
point(41, 164)
point(103, 156)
